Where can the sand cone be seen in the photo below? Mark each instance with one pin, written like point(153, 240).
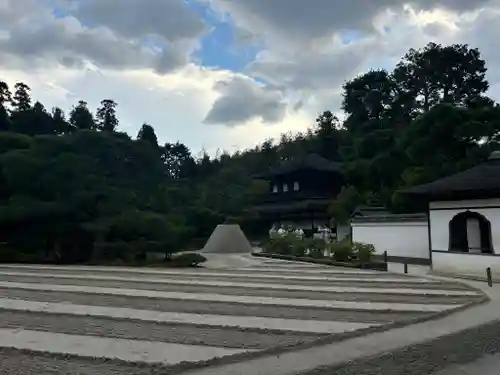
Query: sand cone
point(227, 239)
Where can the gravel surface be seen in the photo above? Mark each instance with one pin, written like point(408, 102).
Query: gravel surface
point(422, 359)
point(17, 362)
point(221, 308)
point(242, 291)
point(173, 287)
point(427, 358)
point(208, 273)
point(149, 331)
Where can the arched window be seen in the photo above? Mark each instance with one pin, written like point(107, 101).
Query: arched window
point(470, 232)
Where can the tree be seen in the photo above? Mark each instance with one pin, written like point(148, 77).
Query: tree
point(342, 207)
point(21, 117)
point(40, 121)
point(328, 136)
point(21, 100)
point(177, 159)
point(4, 119)
point(81, 118)
point(5, 98)
point(366, 99)
point(5, 95)
point(147, 134)
point(453, 74)
point(60, 124)
point(106, 116)
point(103, 195)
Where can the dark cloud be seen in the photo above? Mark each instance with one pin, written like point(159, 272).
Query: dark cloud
point(299, 20)
point(169, 19)
point(243, 99)
point(60, 38)
point(304, 72)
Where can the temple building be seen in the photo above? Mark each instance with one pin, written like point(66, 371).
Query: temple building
point(464, 219)
point(460, 232)
point(300, 192)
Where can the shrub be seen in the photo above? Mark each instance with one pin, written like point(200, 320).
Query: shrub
point(299, 247)
point(281, 245)
point(8, 255)
point(108, 251)
point(188, 260)
point(342, 251)
point(316, 248)
point(364, 252)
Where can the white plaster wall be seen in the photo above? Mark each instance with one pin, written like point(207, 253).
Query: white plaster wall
point(466, 264)
point(343, 231)
point(402, 239)
point(441, 213)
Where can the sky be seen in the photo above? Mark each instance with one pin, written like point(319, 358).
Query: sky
point(224, 74)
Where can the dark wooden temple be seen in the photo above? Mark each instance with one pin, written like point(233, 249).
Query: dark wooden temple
point(300, 191)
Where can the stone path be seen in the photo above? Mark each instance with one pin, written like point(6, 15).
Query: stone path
point(100, 320)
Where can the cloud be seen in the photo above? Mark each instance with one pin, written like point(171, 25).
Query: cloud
point(297, 21)
point(92, 31)
point(140, 53)
point(175, 104)
point(171, 20)
point(243, 99)
point(314, 47)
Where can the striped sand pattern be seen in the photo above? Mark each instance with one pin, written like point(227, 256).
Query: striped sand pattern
point(109, 319)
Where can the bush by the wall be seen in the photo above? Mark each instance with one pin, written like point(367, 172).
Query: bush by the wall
point(363, 251)
point(281, 245)
point(299, 247)
point(342, 251)
point(316, 248)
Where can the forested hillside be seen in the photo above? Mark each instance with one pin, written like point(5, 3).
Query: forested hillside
point(74, 188)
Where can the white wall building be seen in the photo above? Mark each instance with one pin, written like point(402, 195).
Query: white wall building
point(387, 233)
point(462, 232)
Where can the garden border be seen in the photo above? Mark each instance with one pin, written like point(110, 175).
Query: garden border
point(377, 266)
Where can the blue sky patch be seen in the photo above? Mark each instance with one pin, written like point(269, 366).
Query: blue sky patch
point(220, 47)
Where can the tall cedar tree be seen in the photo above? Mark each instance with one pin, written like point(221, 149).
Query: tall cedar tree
point(106, 116)
point(5, 97)
point(147, 134)
point(81, 118)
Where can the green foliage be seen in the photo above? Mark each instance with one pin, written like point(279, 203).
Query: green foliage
point(77, 190)
point(8, 254)
point(344, 204)
point(106, 116)
point(109, 251)
point(281, 245)
point(342, 251)
point(147, 134)
point(363, 252)
point(81, 118)
point(299, 246)
point(316, 247)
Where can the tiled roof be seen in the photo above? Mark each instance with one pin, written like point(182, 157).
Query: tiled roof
point(481, 181)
